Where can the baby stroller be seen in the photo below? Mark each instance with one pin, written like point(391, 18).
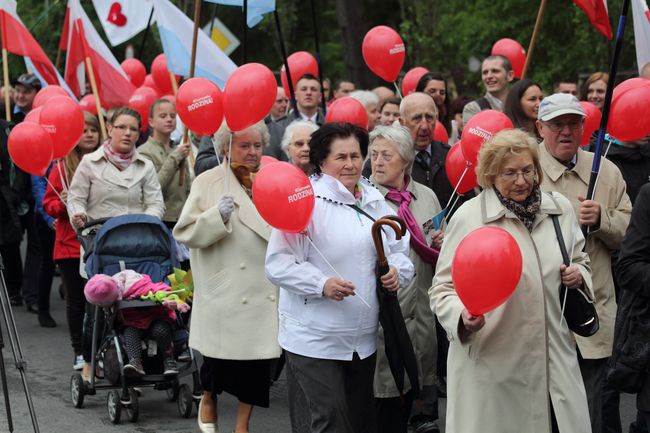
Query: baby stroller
point(143, 244)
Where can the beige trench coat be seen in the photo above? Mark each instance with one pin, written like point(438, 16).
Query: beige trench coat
point(615, 216)
point(499, 380)
point(168, 163)
point(414, 302)
point(235, 310)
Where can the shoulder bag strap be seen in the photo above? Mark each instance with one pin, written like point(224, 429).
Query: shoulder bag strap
point(560, 239)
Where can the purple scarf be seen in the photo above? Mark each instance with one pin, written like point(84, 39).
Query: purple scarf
point(418, 242)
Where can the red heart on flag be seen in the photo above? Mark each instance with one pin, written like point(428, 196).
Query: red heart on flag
point(116, 16)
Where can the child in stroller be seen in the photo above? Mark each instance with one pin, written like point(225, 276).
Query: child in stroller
point(153, 322)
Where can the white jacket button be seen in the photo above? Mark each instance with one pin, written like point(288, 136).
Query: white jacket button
point(272, 298)
point(242, 265)
point(244, 300)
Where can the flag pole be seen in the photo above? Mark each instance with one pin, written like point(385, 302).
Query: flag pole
point(318, 60)
point(244, 48)
point(195, 36)
point(533, 39)
point(285, 61)
point(5, 68)
point(98, 104)
point(146, 33)
point(58, 59)
point(595, 167)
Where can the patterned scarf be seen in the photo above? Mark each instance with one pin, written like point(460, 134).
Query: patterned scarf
point(245, 175)
point(119, 160)
point(418, 241)
point(527, 209)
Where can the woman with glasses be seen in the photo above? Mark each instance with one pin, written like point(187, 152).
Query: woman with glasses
point(518, 360)
point(115, 179)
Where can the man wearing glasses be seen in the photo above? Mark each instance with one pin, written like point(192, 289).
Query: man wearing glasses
point(567, 170)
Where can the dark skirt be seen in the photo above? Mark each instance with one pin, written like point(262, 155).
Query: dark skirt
point(248, 380)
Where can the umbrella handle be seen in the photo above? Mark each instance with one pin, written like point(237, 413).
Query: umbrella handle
point(399, 221)
point(376, 237)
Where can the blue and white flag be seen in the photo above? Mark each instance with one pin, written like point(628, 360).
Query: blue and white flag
point(256, 8)
point(176, 31)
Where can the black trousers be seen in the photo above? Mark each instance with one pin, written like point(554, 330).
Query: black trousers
point(45, 273)
point(32, 258)
point(393, 413)
point(338, 394)
point(75, 301)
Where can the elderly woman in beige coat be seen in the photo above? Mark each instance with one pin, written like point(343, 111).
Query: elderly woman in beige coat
point(392, 153)
point(515, 369)
point(234, 317)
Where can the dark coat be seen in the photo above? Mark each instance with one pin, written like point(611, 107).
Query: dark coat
point(276, 130)
point(634, 163)
point(634, 280)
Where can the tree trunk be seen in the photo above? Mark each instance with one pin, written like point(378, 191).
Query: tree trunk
point(353, 26)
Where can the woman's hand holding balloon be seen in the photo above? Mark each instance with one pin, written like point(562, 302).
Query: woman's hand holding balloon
point(226, 206)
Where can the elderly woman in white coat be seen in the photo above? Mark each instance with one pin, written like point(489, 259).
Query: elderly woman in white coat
point(392, 154)
point(515, 368)
point(328, 302)
point(115, 179)
point(234, 315)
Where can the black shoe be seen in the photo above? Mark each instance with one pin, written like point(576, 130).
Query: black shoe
point(61, 292)
point(422, 423)
point(16, 301)
point(170, 367)
point(46, 321)
point(32, 308)
point(133, 369)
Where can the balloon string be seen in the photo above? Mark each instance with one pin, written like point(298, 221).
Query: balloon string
point(330, 265)
point(228, 168)
point(63, 176)
point(55, 191)
point(448, 214)
point(458, 185)
point(215, 152)
point(399, 94)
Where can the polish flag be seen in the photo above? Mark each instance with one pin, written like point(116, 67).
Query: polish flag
point(123, 19)
point(84, 43)
point(596, 11)
point(18, 40)
point(641, 16)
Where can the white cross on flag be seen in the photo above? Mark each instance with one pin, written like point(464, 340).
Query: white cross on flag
point(123, 19)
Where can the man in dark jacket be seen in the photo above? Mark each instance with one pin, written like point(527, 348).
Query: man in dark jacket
point(633, 159)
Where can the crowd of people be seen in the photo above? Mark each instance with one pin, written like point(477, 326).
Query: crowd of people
point(266, 299)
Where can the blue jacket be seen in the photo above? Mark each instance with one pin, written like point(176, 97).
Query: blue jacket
point(39, 185)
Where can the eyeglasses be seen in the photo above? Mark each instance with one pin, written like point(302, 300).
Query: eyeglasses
point(123, 128)
point(559, 126)
point(511, 175)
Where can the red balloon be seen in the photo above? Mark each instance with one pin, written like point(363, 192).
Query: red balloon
point(141, 101)
point(284, 196)
point(34, 115)
point(300, 63)
point(479, 129)
point(383, 51)
point(248, 96)
point(411, 78)
point(63, 119)
point(592, 121)
point(440, 133)
point(486, 269)
point(199, 105)
point(629, 116)
point(87, 103)
point(47, 93)
point(148, 82)
point(513, 51)
point(455, 166)
point(135, 70)
point(267, 159)
point(30, 148)
point(170, 98)
point(161, 76)
point(349, 110)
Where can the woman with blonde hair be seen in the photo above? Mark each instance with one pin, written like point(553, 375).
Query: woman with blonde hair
point(518, 360)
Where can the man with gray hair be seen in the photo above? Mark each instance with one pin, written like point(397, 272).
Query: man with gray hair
point(496, 73)
point(370, 102)
point(567, 170)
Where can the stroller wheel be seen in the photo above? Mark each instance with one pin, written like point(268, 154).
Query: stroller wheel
point(132, 409)
point(172, 391)
point(77, 390)
point(114, 406)
point(184, 402)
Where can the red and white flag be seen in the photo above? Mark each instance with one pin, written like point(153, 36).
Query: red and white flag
point(596, 11)
point(123, 19)
point(18, 40)
point(85, 43)
point(641, 16)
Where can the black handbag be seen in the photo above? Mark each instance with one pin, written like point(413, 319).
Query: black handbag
point(579, 312)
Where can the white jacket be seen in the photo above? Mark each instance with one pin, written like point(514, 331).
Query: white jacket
point(310, 324)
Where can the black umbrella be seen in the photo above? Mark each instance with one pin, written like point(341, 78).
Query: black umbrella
point(397, 343)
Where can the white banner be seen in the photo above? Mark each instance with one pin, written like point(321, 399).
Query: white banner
point(123, 19)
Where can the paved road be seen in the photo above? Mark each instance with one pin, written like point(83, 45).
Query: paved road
point(49, 358)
